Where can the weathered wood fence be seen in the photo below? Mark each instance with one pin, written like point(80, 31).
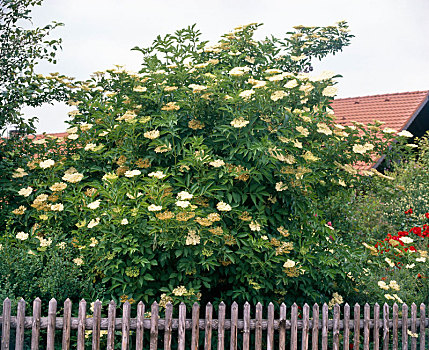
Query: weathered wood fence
point(304, 329)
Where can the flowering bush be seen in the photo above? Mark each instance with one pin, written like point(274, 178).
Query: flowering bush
point(202, 174)
point(398, 268)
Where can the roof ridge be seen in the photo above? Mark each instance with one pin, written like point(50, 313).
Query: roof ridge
point(382, 95)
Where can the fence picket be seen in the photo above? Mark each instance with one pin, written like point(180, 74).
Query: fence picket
point(182, 326)
point(325, 327)
point(366, 318)
point(221, 327)
point(111, 320)
point(234, 319)
point(336, 328)
point(52, 315)
point(294, 327)
point(356, 326)
point(414, 326)
point(404, 326)
point(35, 324)
point(258, 327)
point(346, 326)
point(305, 326)
point(81, 325)
point(167, 327)
point(66, 324)
point(385, 327)
point(315, 330)
point(96, 320)
point(395, 316)
point(20, 320)
point(246, 326)
point(209, 325)
point(422, 326)
point(140, 325)
point(282, 327)
point(154, 326)
point(6, 324)
point(126, 315)
point(376, 332)
point(196, 325)
point(270, 327)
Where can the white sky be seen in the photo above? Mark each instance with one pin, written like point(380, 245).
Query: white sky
point(390, 51)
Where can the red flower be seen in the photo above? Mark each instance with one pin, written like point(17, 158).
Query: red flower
point(419, 276)
point(427, 215)
point(409, 211)
point(417, 231)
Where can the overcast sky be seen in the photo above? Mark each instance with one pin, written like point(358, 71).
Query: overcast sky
point(390, 51)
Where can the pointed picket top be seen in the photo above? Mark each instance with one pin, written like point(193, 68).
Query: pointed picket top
point(154, 304)
point(234, 305)
point(413, 305)
point(357, 305)
point(246, 304)
point(394, 304)
point(376, 304)
point(127, 303)
point(208, 304)
point(282, 305)
point(325, 306)
point(38, 299)
point(141, 303)
point(112, 302)
point(366, 306)
point(294, 305)
point(259, 305)
point(83, 301)
point(168, 305)
point(222, 303)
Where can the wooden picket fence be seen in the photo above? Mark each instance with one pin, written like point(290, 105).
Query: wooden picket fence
point(301, 330)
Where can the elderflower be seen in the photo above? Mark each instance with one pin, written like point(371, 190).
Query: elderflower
point(153, 134)
point(47, 164)
point(132, 173)
point(217, 163)
point(183, 195)
point(222, 206)
point(94, 205)
point(183, 204)
point(22, 236)
point(154, 207)
point(289, 263)
point(383, 285)
point(239, 122)
point(25, 191)
point(157, 174)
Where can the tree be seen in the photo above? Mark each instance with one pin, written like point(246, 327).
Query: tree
point(21, 49)
point(202, 175)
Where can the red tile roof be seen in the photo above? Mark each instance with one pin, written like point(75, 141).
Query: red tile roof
point(397, 110)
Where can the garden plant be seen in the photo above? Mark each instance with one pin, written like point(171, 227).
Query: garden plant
point(204, 176)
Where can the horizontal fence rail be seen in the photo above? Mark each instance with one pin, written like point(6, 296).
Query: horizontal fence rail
point(305, 328)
